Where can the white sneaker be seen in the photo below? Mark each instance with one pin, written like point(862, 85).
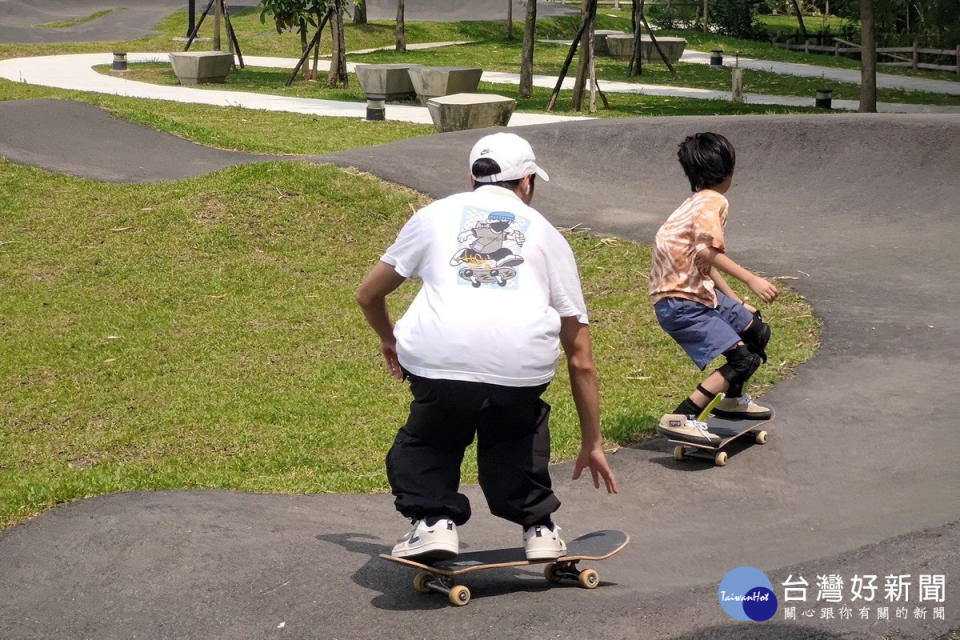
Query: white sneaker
point(541, 542)
point(437, 542)
point(686, 428)
point(742, 408)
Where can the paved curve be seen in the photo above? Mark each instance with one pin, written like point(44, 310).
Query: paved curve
point(127, 20)
point(860, 475)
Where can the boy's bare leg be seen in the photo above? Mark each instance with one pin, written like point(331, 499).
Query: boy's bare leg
point(715, 383)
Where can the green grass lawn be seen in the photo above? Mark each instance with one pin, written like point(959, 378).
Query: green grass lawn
point(59, 24)
point(788, 25)
point(202, 333)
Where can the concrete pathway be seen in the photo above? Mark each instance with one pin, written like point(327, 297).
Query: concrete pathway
point(127, 20)
point(850, 76)
point(76, 72)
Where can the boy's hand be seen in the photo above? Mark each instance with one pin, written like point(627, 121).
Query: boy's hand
point(764, 289)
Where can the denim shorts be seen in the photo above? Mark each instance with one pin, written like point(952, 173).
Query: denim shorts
point(704, 333)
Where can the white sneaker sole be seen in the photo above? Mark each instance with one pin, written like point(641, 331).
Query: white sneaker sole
point(545, 554)
point(428, 551)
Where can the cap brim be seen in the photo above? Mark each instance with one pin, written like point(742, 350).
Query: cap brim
point(543, 175)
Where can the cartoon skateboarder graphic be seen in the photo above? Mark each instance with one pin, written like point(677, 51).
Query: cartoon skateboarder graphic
point(488, 258)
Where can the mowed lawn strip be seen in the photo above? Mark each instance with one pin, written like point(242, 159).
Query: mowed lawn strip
point(203, 333)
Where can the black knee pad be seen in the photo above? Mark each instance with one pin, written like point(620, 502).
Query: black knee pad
point(757, 335)
point(741, 364)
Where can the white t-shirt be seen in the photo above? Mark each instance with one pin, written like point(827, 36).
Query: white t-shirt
point(497, 278)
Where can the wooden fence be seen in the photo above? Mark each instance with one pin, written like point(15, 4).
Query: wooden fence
point(896, 53)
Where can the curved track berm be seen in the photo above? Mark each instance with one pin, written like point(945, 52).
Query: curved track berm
point(860, 475)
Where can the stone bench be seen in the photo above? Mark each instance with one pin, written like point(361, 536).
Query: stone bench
point(432, 82)
point(619, 46)
point(470, 111)
point(201, 67)
point(392, 81)
point(600, 40)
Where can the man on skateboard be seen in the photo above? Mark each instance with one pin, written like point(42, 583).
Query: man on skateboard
point(693, 302)
point(479, 355)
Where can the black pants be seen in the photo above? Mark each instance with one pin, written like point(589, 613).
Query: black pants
point(513, 451)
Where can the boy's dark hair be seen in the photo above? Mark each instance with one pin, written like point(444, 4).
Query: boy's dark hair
point(484, 167)
point(707, 159)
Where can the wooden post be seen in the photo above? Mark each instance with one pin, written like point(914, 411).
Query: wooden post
point(916, 56)
point(234, 43)
point(706, 16)
point(566, 64)
point(593, 70)
point(509, 19)
point(196, 29)
point(958, 59)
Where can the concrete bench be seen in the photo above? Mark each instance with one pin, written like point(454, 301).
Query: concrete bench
point(432, 82)
point(200, 67)
point(470, 111)
point(600, 40)
point(620, 46)
point(392, 81)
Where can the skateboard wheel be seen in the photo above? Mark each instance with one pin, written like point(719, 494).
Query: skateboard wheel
point(421, 580)
point(721, 459)
point(678, 453)
point(589, 579)
point(459, 595)
point(761, 437)
point(550, 573)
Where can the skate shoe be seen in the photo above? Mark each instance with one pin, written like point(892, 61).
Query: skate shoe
point(542, 542)
point(675, 425)
point(438, 541)
point(742, 408)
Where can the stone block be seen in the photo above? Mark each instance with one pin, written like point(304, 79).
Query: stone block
point(392, 81)
point(600, 40)
point(619, 46)
point(470, 111)
point(200, 67)
point(432, 82)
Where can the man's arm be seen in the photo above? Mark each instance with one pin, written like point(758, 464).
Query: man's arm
point(575, 338)
point(722, 262)
point(372, 298)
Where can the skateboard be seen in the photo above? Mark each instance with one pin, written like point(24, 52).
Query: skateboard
point(440, 576)
point(488, 275)
point(728, 430)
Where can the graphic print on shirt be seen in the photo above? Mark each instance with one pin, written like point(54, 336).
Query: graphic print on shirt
point(490, 247)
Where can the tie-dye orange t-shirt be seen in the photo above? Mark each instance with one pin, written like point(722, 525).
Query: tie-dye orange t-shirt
point(677, 271)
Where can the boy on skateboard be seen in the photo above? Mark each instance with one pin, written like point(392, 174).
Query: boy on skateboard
point(480, 353)
point(693, 302)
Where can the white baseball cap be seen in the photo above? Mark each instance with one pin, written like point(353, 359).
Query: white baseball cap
point(511, 152)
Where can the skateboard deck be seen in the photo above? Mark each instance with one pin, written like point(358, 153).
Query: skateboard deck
point(440, 575)
point(728, 430)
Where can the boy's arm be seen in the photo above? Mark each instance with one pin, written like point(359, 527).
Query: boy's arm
point(722, 262)
point(575, 338)
point(722, 285)
point(372, 298)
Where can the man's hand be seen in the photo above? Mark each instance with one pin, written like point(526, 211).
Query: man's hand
point(389, 350)
point(764, 288)
point(597, 463)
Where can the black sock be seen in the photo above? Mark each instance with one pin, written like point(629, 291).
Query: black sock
point(432, 520)
point(545, 521)
point(688, 408)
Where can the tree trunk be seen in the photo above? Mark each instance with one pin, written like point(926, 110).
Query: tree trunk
point(799, 10)
point(217, 18)
point(303, 47)
point(338, 60)
point(359, 11)
point(401, 28)
point(868, 58)
point(526, 60)
point(589, 15)
point(509, 19)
